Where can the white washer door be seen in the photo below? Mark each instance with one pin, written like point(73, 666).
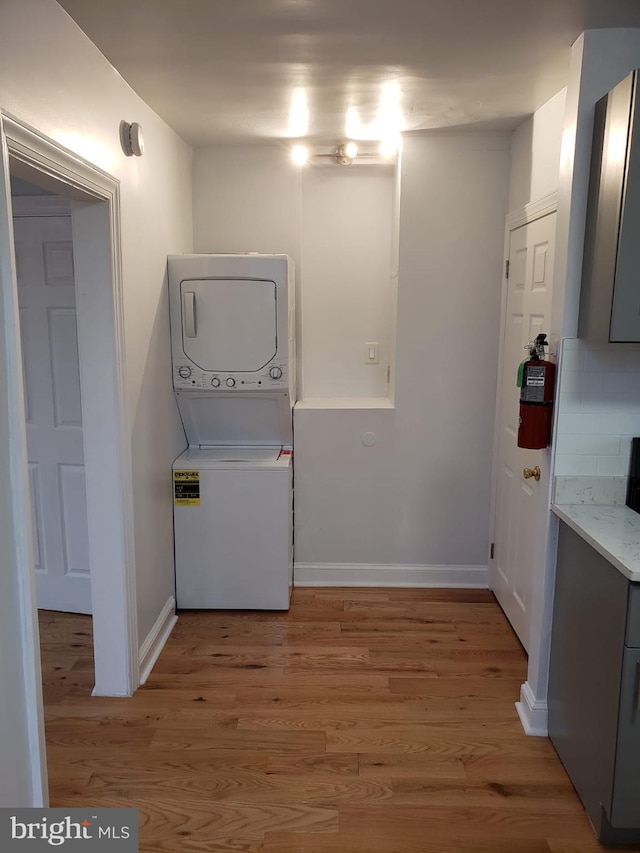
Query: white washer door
point(235, 418)
point(229, 325)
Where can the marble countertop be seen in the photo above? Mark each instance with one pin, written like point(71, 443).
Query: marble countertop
point(613, 530)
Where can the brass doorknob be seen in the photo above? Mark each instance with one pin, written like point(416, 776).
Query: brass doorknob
point(528, 473)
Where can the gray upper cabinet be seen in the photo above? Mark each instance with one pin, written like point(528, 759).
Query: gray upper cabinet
point(610, 300)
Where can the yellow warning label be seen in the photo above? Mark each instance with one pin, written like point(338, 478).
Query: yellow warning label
point(186, 488)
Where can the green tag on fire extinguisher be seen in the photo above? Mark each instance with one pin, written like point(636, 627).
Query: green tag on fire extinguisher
point(520, 379)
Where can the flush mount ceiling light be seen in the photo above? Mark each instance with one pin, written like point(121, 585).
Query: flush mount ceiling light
point(390, 146)
point(346, 153)
point(131, 138)
point(298, 115)
point(299, 154)
point(352, 154)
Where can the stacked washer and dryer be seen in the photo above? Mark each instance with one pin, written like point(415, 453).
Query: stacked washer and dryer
point(233, 361)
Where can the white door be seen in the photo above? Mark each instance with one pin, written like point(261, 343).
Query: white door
point(46, 294)
point(521, 503)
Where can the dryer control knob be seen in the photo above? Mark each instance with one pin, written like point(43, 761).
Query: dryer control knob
point(215, 382)
point(275, 372)
point(184, 372)
point(231, 382)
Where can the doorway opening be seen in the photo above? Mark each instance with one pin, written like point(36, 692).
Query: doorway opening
point(92, 198)
point(81, 541)
point(46, 286)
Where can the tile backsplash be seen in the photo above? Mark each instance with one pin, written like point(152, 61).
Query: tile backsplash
point(598, 408)
point(592, 491)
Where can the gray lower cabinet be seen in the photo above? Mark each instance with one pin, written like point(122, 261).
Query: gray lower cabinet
point(594, 678)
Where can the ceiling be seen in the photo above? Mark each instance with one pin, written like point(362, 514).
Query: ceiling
point(229, 70)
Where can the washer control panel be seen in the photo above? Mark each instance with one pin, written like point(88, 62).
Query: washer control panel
point(187, 376)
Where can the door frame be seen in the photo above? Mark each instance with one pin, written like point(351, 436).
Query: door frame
point(97, 255)
point(516, 219)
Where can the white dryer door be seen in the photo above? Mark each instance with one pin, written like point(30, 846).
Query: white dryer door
point(229, 325)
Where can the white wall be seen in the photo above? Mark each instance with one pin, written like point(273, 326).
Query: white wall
point(598, 408)
point(599, 389)
point(414, 506)
point(54, 79)
point(346, 278)
point(536, 147)
point(535, 153)
point(598, 404)
point(20, 783)
point(246, 199)
point(599, 60)
point(335, 222)
point(452, 207)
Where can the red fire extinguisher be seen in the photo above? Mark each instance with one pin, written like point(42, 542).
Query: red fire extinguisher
point(536, 379)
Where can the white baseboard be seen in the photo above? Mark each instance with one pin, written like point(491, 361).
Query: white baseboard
point(156, 638)
point(95, 692)
point(533, 713)
point(399, 575)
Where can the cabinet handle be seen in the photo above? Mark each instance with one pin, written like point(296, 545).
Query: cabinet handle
point(636, 692)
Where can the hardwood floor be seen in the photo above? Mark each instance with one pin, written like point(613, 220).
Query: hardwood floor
point(361, 721)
